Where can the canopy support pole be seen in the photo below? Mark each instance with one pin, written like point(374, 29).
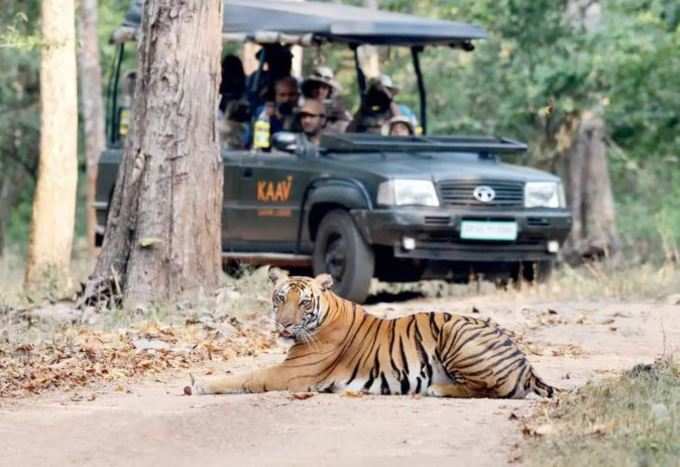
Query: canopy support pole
point(253, 98)
point(361, 78)
point(415, 55)
point(112, 95)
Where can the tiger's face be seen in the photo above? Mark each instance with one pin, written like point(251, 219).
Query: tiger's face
point(298, 305)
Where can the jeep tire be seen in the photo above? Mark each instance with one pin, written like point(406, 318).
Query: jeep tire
point(341, 251)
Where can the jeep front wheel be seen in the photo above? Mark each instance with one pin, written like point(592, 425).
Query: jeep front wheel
point(341, 251)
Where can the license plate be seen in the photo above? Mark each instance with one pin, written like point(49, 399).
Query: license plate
point(481, 230)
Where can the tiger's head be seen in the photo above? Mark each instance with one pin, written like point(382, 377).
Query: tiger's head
point(298, 304)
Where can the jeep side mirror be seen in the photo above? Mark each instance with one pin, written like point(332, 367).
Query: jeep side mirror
point(286, 141)
point(294, 143)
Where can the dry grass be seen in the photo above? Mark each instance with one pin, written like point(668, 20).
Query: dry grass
point(632, 420)
point(611, 281)
point(595, 282)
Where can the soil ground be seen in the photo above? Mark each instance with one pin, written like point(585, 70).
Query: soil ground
point(152, 423)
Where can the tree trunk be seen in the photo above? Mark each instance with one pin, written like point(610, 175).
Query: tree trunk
point(92, 106)
point(369, 58)
point(54, 202)
point(163, 238)
point(589, 192)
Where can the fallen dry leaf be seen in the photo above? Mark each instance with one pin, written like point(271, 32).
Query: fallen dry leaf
point(351, 393)
point(81, 355)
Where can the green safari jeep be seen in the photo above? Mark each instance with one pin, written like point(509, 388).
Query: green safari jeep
point(360, 205)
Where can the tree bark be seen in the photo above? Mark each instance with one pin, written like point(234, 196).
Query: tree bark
point(589, 192)
point(369, 58)
point(92, 106)
point(163, 238)
point(54, 202)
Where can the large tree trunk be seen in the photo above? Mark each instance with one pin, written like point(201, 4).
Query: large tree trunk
point(163, 234)
point(589, 192)
point(54, 202)
point(92, 105)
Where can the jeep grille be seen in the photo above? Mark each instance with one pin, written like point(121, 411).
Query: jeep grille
point(459, 193)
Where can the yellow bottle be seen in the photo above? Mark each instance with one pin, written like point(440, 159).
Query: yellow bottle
point(262, 133)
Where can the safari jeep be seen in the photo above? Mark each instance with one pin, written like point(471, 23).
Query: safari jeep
point(360, 206)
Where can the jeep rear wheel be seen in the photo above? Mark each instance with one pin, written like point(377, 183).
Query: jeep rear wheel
point(341, 251)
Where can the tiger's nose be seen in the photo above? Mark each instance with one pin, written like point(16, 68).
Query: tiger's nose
point(285, 333)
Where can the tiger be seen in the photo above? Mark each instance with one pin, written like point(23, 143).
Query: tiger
point(336, 346)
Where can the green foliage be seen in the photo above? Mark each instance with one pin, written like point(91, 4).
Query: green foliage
point(19, 97)
point(19, 134)
point(13, 36)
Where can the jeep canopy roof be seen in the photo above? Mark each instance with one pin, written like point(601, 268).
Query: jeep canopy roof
point(308, 22)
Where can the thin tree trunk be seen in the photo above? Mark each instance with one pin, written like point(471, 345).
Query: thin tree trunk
point(368, 54)
point(163, 235)
point(54, 201)
point(92, 105)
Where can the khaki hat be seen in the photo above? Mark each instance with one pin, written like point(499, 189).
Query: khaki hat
point(387, 127)
point(324, 75)
point(385, 82)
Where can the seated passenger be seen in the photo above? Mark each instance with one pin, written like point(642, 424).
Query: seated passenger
point(278, 64)
point(278, 115)
point(377, 107)
point(321, 86)
point(234, 114)
point(406, 112)
point(313, 120)
point(399, 126)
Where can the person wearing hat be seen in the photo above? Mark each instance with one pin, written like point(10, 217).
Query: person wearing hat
point(312, 120)
point(399, 126)
point(377, 106)
point(321, 86)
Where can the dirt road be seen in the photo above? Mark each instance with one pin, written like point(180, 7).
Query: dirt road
point(153, 424)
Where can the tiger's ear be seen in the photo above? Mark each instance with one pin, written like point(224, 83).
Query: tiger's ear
point(276, 275)
point(325, 281)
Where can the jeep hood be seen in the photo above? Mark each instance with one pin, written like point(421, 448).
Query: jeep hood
point(439, 166)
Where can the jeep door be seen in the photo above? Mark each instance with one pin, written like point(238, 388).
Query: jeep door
point(271, 188)
point(231, 203)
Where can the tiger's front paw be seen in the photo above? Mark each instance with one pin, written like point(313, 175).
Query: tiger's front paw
point(196, 388)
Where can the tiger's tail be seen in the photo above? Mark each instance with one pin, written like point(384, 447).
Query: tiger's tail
point(541, 388)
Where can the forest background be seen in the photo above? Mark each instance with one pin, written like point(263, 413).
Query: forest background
point(534, 73)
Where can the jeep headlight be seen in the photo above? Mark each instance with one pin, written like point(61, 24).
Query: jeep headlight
point(407, 193)
point(544, 195)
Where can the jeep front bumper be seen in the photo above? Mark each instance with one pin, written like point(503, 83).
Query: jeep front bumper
point(434, 233)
